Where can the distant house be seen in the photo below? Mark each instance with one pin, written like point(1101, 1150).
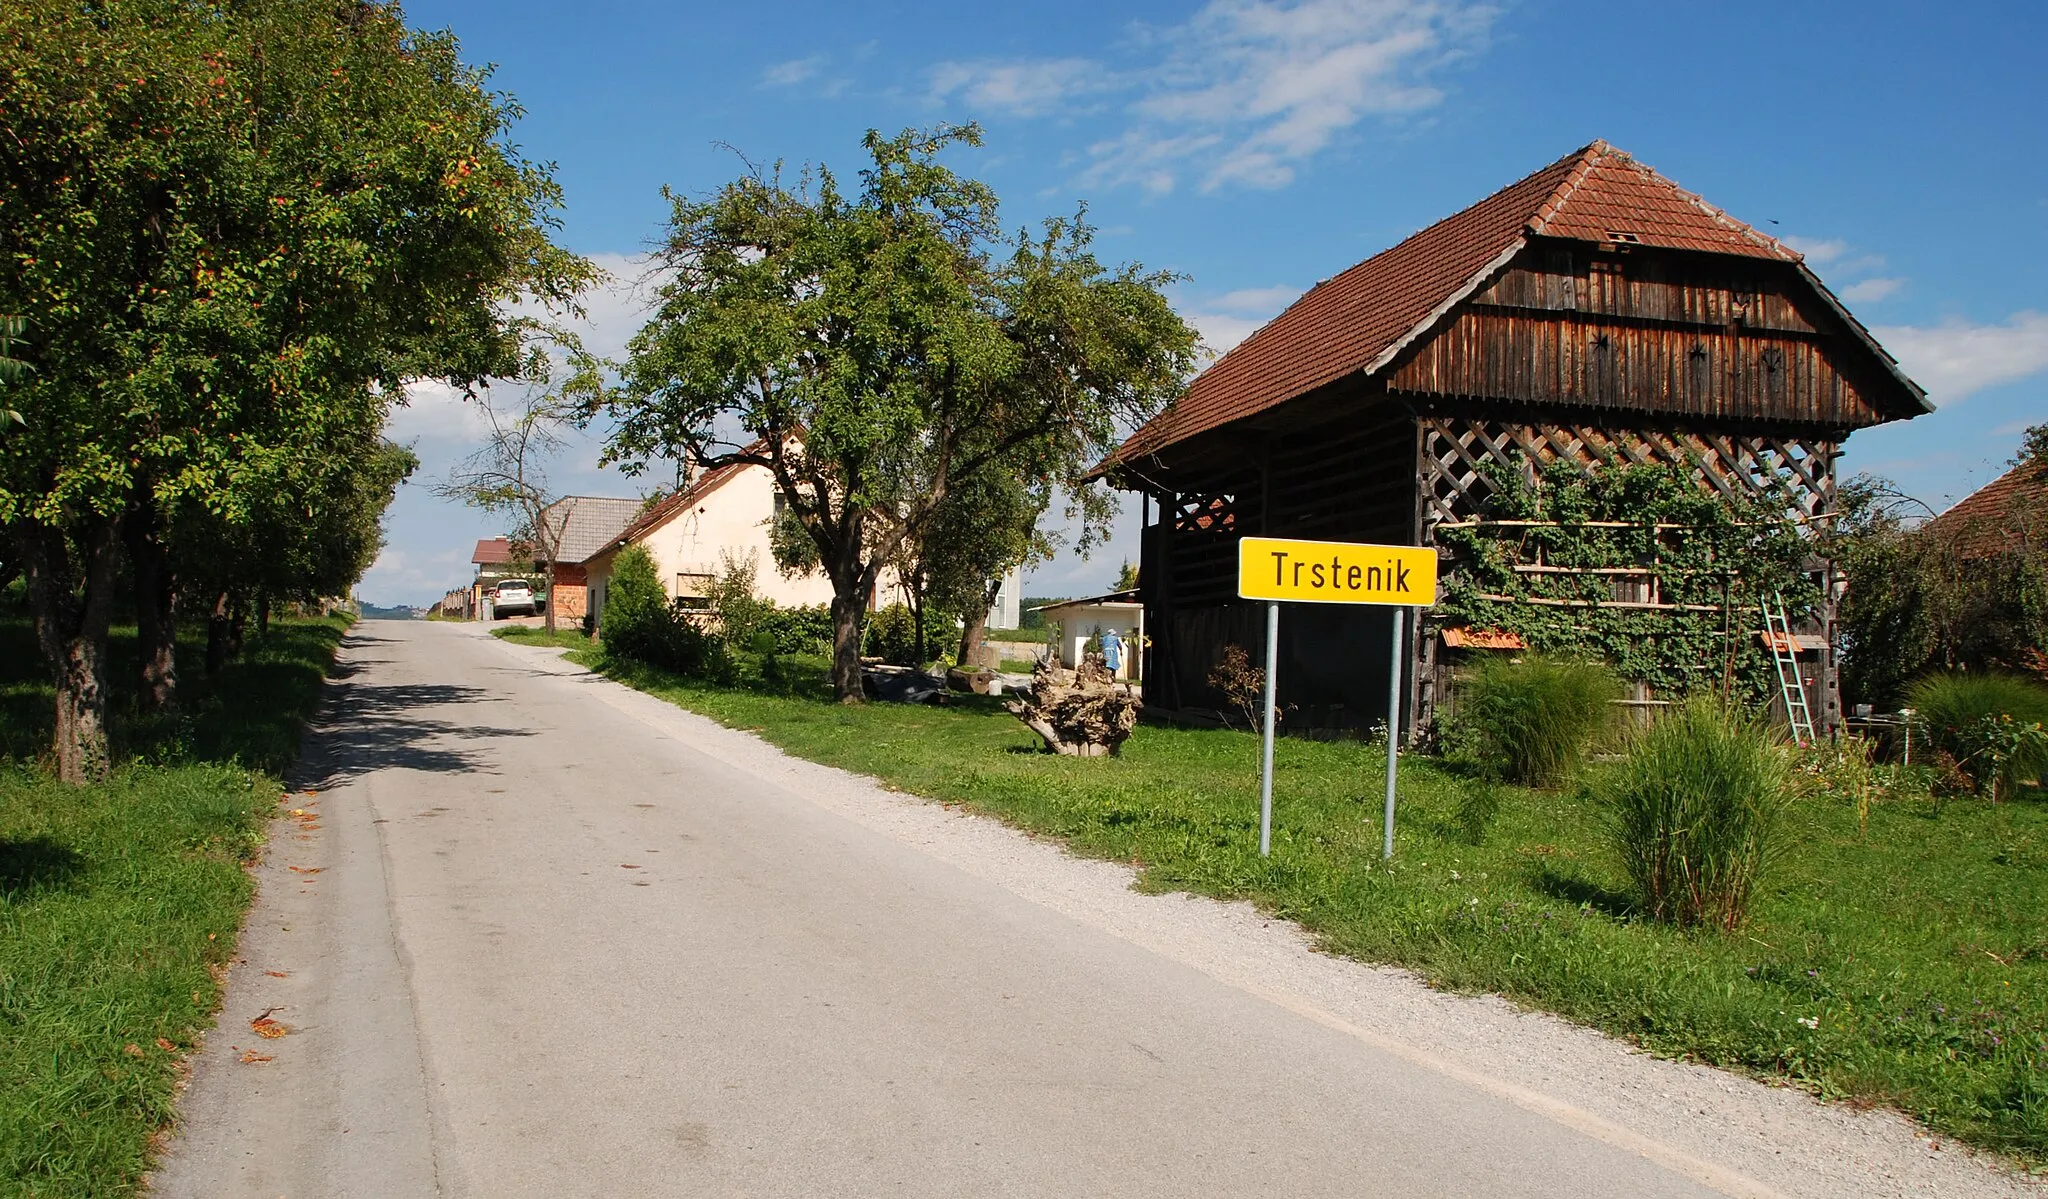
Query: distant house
point(726, 512)
point(583, 526)
point(495, 562)
point(2007, 515)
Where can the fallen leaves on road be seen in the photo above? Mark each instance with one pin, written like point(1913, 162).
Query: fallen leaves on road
point(305, 869)
point(627, 866)
point(166, 1044)
point(278, 973)
point(251, 1057)
point(268, 1029)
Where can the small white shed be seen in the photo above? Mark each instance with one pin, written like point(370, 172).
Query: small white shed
point(1079, 620)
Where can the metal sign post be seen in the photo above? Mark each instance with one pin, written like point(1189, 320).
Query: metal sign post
point(1332, 572)
point(1266, 767)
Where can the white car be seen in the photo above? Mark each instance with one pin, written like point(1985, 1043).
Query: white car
point(513, 597)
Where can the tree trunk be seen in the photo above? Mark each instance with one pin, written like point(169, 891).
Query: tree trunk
point(548, 620)
point(73, 605)
point(156, 609)
point(219, 628)
point(917, 623)
point(238, 625)
point(977, 628)
point(847, 611)
point(263, 613)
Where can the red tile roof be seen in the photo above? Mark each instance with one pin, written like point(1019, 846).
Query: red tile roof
point(2010, 512)
point(1357, 320)
point(492, 551)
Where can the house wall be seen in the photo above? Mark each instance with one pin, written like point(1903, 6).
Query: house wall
point(568, 591)
point(733, 518)
point(1082, 621)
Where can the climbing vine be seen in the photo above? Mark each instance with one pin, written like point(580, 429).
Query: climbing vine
point(1637, 565)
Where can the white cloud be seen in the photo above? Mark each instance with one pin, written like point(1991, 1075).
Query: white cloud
point(1957, 358)
point(1261, 301)
point(1869, 291)
point(793, 72)
point(1244, 91)
point(1026, 88)
point(1818, 251)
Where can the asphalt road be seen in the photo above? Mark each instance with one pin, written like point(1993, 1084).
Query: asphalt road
point(531, 938)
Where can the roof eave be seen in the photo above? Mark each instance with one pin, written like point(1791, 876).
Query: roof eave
point(1891, 364)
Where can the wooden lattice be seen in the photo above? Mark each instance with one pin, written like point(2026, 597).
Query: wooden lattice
point(1798, 471)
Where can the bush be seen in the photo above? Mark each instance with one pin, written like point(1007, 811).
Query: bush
point(1691, 812)
point(892, 636)
point(641, 624)
point(1983, 721)
point(801, 630)
point(1535, 716)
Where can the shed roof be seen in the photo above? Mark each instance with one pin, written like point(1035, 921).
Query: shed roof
point(2010, 512)
point(587, 524)
point(1359, 320)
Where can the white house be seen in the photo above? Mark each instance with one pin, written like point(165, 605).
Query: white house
point(727, 511)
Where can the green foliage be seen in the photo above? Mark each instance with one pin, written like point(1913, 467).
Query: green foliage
point(804, 629)
point(889, 348)
point(1712, 556)
point(1904, 966)
point(1535, 716)
point(640, 624)
point(1940, 596)
point(892, 636)
point(740, 611)
point(1478, 808)
point(1988, 722)
point(1126, 576)
point(1693, 811)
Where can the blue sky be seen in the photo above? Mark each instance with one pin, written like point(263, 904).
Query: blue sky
point(1260, 147)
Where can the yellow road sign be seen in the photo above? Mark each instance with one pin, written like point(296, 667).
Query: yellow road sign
point(1335, 572)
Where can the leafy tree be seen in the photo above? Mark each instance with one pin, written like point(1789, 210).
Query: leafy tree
point(886, 348)
point(1126, 576)
point(1938, 595)
point(241, 230)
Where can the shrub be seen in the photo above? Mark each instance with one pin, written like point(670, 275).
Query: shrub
point(806, 629)
point(1691, 812)
point(892, 636)
point(641, 624)
point(1535, 716)
point(741, 613)
point(1478, 805)
point(1983, 721)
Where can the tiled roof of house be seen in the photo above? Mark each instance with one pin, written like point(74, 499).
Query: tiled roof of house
point(587, 524)
point(1356, 321)
point(2010, 512)
point(492, 551)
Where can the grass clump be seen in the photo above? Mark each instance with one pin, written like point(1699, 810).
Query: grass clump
point(1692, 810)
point(1990, 724)
point(1535, 716)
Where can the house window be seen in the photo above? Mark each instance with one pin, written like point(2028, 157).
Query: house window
point(781, 505)
point(693, 590)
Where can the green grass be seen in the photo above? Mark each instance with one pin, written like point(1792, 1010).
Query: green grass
point(1918, 952)
point(562, 638)
point(119, 903)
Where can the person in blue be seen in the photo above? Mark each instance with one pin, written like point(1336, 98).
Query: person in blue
point(1112, 650)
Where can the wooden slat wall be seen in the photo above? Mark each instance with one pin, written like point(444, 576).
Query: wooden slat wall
point(1642, 333)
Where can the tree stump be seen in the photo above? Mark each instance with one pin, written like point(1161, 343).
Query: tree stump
point(1081, 713)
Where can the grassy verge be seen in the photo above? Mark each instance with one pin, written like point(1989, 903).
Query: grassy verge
point(563, 638)
point(120, 902)
point(1906, 965)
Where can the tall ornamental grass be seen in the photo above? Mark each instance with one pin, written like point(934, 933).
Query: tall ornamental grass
point(1536, 716)
point(1973, 717)
point(1692, 810)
